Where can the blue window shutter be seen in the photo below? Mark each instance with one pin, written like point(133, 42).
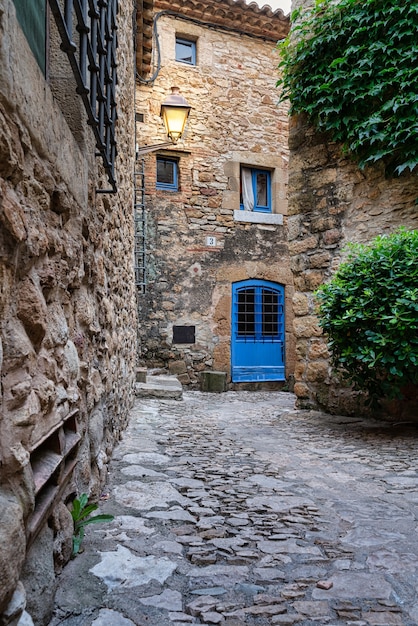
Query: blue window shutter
point(31, 15)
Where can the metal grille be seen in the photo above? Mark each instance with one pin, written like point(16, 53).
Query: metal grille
point(88, 33)
point(140, 227)
point(270, 313)
point(260, 314)
point(246, 313)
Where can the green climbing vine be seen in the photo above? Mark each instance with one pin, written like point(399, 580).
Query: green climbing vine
point(351, 66)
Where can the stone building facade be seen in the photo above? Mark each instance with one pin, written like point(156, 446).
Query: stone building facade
point(67, 303)
point(200, 247)
point(332, 202)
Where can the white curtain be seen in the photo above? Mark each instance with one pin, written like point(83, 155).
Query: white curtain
point(247, 189)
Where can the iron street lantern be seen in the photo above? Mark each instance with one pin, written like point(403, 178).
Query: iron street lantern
point(174, 111)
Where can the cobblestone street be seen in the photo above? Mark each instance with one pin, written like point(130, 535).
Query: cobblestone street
point(237, 509)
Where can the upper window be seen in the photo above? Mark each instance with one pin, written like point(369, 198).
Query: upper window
point(185, 51)
point(255, 190)
point(167, 174)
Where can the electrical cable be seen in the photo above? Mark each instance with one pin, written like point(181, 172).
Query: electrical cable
point(147, 81)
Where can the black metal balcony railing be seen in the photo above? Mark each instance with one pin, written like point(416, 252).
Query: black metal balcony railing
point(91, 51)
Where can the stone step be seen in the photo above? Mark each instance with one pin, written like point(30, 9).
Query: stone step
point(160, 387)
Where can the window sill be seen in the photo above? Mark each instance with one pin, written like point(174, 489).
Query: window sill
point(258, 218)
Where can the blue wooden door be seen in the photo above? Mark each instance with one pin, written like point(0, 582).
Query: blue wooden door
point(257, 345)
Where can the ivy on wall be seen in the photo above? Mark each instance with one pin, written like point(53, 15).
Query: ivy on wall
point(352, 67)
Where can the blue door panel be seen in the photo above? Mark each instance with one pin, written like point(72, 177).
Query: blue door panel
point(257, 347)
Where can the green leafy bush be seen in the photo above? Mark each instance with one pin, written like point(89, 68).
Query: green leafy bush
point(81, 514)
point(369, 310)
point(351, 66)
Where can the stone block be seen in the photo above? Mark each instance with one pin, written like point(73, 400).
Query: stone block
point(317, 371)
point(307, 327)
point(12, 547)
point(300, 304)
point(213, 381)
point(320, 224)
point(17, 348)
point(71, 363)
point(25, 620)
point(15, 608)
point(62, 524)
point(96, 431)
point(301, 390)
point(221, 356)
point(32, 310)
point(331, 237)
point(318, 350)
point(184, 379)
point(318, 260)
point(13, 215)
point(309, 280)
point(298, 247)
point(38, 577)
point(141, 374)
point(177, 367)
point(300, 369)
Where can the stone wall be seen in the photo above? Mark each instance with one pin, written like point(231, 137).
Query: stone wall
point(67, 309)
point(331, 203)
point(197, 242)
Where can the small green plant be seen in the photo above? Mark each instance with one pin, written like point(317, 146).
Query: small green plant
point(369, 310)
point(81, 514)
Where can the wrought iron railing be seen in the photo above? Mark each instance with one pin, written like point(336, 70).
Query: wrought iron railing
point(88, 30)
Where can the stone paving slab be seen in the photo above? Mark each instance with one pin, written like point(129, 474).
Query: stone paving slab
point(236, 509)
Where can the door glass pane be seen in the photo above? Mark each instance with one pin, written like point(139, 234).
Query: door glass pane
point(246, 312)
point(261, 189)
point(270, 304)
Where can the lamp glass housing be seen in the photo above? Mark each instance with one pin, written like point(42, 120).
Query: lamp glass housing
point(174, 111)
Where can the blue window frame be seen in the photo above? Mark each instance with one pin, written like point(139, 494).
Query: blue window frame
point(167, 174)
point(185, 51)
point(255, 190)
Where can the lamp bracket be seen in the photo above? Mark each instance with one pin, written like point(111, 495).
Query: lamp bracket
point(154, 148)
